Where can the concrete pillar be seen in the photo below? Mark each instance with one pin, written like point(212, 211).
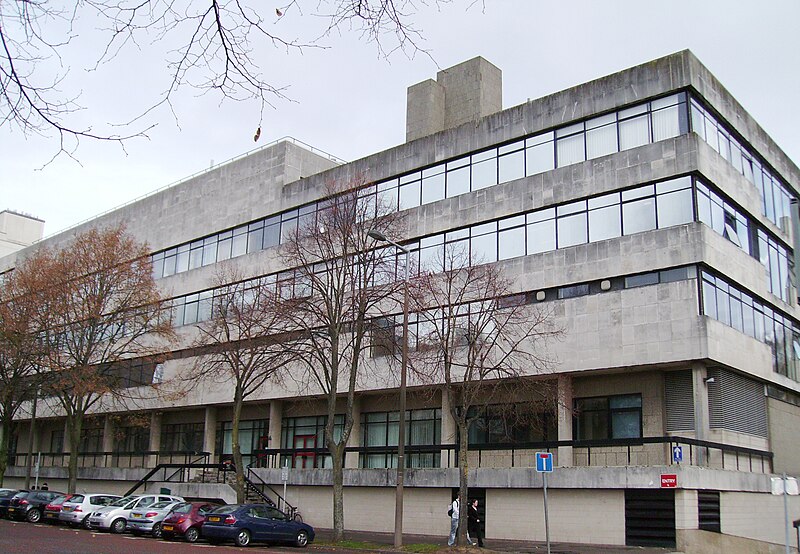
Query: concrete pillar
point(351, 458)
point(564, 409)
point(210, 433)
point(275, 422)
point(67, 441)
point(108, 434)
point(449, 433)
point(155, 437)
point(686, 509)
point(700, 400)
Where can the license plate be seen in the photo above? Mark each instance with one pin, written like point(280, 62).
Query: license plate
point(51, 515)
point(166, 528)
point(137, 515)
point(214, 519)
point(66, 509)
point(12, 510)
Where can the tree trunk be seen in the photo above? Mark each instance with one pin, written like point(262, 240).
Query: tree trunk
point(463, 485)
point(74, 424)
point(337, 452)
point(237, 450)
point(5, 432)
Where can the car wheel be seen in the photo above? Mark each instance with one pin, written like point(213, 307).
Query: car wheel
point(85, 523)
point(302, 539)
point(119, 526)
point(243, 538)
point(33, 515)
point(157, 530)
point(192, 534)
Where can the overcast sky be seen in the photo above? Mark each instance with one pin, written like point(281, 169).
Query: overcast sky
point(350, 102)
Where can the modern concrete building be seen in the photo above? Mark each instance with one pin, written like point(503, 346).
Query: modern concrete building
point(18, 231)
point(647, 207)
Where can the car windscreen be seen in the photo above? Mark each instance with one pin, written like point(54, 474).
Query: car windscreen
point(7, 494)
point(182, 508)
point(122, 501)
point(160, 505)
point(226, 509)
point(58, 500)
point(75, 499)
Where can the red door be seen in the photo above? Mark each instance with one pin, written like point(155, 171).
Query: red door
point(302, 458)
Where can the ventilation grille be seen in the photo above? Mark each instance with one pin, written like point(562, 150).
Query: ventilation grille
point(736, 403)
point(708, 511)
point(680, 401)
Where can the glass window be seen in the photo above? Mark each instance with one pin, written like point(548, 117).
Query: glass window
point(511, 166)
point(675, 208)
point(605, 223)
point(182, 259)
point(410, 195)
point(639, 216)
point(570, 150)
point(539, 158)
point(634, 132)
point(483, 248)
point(433, 188)
point(572, 230)
point(612, 417)
point(666, 123)
point(541, 236)
point(511, 243)
point(645, 279)
point(484, 174)
point(239, 245)
point(601, 140)
point(458, 181)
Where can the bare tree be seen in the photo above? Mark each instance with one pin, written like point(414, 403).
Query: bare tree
point(340, 282)
point(103, 318)
point(481, 343)
point(20, 352)
point(208, 45)
point(242, 345)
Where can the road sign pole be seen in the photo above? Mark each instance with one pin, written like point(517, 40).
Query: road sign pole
point(786, 511)
point(546, 521)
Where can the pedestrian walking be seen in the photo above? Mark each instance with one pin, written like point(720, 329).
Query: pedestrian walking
point(474, 523)
point(454, 513)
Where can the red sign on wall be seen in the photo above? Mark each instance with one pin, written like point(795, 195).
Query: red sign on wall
point(669, 481)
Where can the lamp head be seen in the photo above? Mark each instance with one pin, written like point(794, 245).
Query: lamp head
point(377, 235)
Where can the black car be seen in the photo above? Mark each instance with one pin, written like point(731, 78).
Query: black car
point(30, 504)
point(5, 499)
point(246, 523)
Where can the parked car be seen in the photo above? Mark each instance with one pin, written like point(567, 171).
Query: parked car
point(77, 509)
point(246, 523)
point(186, 520)
point(114, 517)
point(5, 499)
point(30, 504)
point(52, 510)
point(148, 520)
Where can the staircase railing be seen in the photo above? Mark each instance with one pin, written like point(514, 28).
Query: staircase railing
point(258, 484)
point(181, 471)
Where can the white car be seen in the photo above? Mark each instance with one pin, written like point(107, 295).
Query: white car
point(78, 508)
point(147, 521)
point(114, 517)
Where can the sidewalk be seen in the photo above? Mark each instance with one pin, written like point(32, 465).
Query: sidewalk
point(492, 545)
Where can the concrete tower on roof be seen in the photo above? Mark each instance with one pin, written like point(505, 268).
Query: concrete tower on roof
point(18, 231)
point(462, 93)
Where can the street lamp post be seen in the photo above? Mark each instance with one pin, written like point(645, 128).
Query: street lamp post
point(401, 431)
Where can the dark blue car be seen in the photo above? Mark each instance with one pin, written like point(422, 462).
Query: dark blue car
point(246, 523)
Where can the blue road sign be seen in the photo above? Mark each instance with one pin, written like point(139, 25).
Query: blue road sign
point(677, 454)
point(544, 462)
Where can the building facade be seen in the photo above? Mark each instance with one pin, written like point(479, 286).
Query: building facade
point(647, 208)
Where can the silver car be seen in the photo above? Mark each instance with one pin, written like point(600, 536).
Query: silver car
point(148, 520)
point(114, 517)
point(78, 508)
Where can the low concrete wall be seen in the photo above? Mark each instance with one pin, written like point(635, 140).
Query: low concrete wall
point(695, 541)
